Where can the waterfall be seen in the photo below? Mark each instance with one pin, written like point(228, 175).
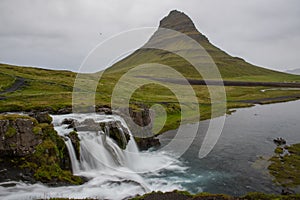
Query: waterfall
point(74, 161)
point(98, 151)
point(112, 172)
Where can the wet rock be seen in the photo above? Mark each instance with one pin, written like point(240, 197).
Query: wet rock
point(88, 125)
point(67, 121)
point(140, 124)
point(42, 117)
point(65, 110)
point(104, 110)
point(117, 132)
point(279, 141)
point(73, 135)
point(147, 143)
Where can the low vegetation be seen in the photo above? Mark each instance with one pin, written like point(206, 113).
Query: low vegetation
point(285, 166)
point(47, 162)
point(52, 90)
point(207, 196)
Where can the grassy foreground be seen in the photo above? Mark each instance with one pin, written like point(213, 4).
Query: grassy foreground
point(52, 90)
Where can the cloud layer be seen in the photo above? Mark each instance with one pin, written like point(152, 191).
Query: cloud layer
point(59, 34)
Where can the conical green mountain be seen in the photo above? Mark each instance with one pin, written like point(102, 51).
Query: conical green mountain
point(29, 88)
point(231, 68)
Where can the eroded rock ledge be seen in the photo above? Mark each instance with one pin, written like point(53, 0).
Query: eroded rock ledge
point(31, 150)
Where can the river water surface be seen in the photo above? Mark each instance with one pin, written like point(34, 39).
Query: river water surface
point(236, 165)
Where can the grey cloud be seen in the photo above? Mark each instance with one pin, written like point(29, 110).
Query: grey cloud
point(59, 34)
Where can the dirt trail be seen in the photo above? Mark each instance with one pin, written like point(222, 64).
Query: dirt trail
point(19, 82)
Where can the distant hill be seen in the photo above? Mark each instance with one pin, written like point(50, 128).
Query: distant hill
point(294, 71)
point(231, 68)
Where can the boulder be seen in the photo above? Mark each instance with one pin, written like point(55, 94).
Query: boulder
point(113, 129)
point(117, 132)
point(147, 143)
point(32, 151)
point(17, 137)
point(104, 110)
point(140, 124)
point(42, 117)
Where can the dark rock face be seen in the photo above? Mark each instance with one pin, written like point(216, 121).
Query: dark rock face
point(42, 117)
point(113, 129)
point(104, 110)
point(180, 22)
point(65, 110)
point(17, 137)
point(117, 132)
point(73, 135)
point(147, 143)
point(140, 124)
point(32, 151)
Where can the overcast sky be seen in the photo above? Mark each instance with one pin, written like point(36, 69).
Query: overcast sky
point(59, 34)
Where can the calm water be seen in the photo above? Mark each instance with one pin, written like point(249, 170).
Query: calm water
point(234, 165)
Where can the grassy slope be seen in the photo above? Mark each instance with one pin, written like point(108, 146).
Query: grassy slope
point(48, 88)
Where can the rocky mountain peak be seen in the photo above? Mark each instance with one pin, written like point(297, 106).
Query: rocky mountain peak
point(179, 21)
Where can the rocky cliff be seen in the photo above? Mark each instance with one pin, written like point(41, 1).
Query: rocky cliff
point(18, 135)
point(31, 150)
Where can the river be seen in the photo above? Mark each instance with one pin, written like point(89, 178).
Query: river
point(234, 166)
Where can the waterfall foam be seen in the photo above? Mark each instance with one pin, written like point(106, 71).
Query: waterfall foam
point(113, 173)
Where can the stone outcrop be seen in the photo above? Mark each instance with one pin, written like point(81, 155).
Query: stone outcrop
point(18, 136)
point(113, 129)
point(179, 21)
point(73, 135)
point(140, 124)
point(42, 117)
point(32, 151)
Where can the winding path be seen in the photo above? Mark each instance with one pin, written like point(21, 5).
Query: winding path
point(19, 82)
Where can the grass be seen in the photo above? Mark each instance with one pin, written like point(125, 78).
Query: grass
point(285, 166)
point(53, 90)
point(5, 81)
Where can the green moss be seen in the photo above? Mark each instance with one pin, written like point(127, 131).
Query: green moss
point(11, 131)
point(204, 195)
point(278, 150)
point(14, 117)
point(53, 172)
point(212, 196)
point(286, 168)
point(46, 163)
point(263, 196)
point(37, 130)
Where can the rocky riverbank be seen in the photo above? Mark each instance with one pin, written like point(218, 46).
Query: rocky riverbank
point(32, 151)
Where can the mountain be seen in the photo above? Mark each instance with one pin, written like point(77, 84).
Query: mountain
point(29, 88)
point(294, 71)
point(231, 68)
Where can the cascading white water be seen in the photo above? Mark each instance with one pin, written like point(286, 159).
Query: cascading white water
point(113, 173)
point(74, 161)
